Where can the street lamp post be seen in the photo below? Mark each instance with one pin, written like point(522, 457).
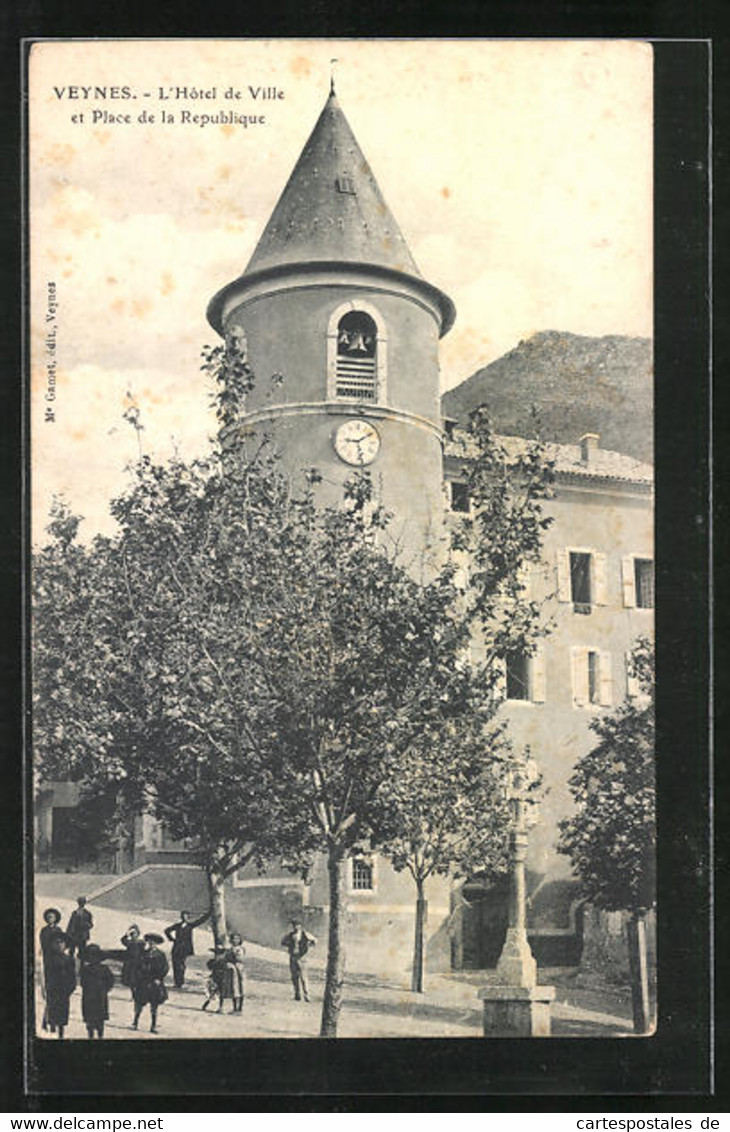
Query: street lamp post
point(515, 1006)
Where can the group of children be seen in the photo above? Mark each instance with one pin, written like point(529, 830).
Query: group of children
point(59, 973)
point(144, 968)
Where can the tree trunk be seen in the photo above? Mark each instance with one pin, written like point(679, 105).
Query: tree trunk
point(636, 929)
point(418, 942)
point(217, 906)
point(335, 977)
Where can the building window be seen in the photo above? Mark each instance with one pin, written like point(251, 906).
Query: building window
point(459, 497)
point(517, 667)
point(637, 577)
point(592, 679)
point(356, 365)
point(521, 678)
point(363, 879)
point(580, 581)
point(356, 352)
point(644, 583)
point(582, 578)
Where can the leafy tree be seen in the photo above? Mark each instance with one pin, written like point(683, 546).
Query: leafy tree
point(254, 668)
point(447, 812)
point(611, 839)
point(142, 677)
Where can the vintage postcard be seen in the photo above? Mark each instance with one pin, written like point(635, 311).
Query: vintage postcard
point(343, 566)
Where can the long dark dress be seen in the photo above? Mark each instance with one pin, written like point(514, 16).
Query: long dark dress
point(150, 986)
point(47, 937)
point(131, 964)
point(96, 982)
point(60, 985)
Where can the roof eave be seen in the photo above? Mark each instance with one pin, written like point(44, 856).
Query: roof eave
point(248, 279)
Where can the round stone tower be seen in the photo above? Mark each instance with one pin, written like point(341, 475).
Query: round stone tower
point(333, 301)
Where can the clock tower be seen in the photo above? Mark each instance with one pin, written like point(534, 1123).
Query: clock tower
point(333, 301)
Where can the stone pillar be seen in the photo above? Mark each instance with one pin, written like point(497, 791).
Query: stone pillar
point(516, 1012)
point(515, 1006)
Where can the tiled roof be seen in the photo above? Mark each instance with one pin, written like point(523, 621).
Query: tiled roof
point(331, 207)
point(568, 459)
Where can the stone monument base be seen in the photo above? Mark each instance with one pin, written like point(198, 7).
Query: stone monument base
point(516, 1012)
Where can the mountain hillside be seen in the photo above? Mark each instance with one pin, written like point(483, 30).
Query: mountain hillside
point(577, 384)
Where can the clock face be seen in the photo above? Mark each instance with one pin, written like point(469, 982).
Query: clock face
point(357, 442)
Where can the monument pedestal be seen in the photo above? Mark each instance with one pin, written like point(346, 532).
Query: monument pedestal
point(516, 1012)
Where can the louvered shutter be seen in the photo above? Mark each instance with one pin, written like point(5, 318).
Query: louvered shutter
point(580, 676)
point(606, 688)
point(537, 676)
point(563, 560)
point(628, 581)
point(599, 579)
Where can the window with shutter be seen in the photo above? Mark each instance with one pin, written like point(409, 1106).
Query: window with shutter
point(580, 581)
point(459, 497)
point(356, 344)
point(644, 583)
point(356, 353)
point(517, 668)
point(594, 677)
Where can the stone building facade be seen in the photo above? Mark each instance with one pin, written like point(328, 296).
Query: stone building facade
point(333, 301)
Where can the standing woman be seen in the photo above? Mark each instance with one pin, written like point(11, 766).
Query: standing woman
point(47, 938)
point(134, 945)
point(60, 984)
point(234, 959)
point(150, 986)
point(96, 982)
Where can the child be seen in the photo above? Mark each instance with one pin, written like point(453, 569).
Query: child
point(219, 981)
point(96, 982)
point(234, 959)
point(60, 984)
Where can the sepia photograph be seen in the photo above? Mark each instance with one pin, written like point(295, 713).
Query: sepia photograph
point(342, 574)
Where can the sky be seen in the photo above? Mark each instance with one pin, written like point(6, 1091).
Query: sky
point(518, 171)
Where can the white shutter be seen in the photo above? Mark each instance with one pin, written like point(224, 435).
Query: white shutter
point(500, 684)
point(579, 657)
point(628, 581)
point(563, 575)
point(599, 579)
point(606, 686)
point(632, 684)
point(537, 676)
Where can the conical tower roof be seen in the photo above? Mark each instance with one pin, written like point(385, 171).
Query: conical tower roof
point(331, 215)
point(332, 208)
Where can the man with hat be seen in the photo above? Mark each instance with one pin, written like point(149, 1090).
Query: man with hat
point(150, 986)
point(79, 928)
point(298, 943)
point(180, 935)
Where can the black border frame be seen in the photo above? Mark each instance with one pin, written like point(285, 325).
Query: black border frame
point(309, 1075)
